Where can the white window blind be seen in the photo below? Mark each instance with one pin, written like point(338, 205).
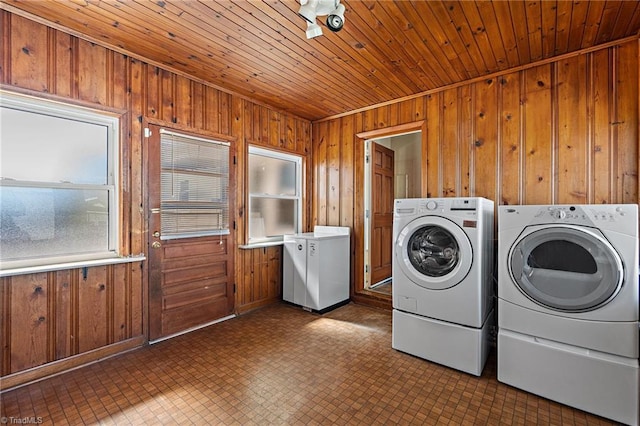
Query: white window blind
point(194, 186)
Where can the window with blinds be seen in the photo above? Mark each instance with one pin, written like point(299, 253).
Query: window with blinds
point(194, 186)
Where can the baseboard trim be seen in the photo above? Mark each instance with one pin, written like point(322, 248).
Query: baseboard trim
point(22, 378)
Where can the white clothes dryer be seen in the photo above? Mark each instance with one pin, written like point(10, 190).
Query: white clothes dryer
point(442, 280)
point(568, 305)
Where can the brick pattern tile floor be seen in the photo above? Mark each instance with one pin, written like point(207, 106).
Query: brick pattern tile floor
point(280, 365)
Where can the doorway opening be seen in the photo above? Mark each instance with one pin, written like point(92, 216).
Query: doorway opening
point(392, 169)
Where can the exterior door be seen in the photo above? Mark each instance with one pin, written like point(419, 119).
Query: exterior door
point(382, 196)
point(190, 183)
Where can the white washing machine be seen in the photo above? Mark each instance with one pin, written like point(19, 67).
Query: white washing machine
point(568, 305)
point(442, 280)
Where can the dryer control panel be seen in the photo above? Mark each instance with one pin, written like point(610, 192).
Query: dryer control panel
point(618, 217)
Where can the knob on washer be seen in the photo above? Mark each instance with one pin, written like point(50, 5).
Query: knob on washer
point(431, 205)
point(559, 214)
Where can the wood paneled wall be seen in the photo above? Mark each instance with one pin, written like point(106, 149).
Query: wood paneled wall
point(563, 131)
point(51, 316)
point(46, 61)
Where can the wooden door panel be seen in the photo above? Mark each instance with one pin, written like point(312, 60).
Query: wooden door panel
point(190, 279)
point(192, 315)
point(382, 196)
point(194, 293)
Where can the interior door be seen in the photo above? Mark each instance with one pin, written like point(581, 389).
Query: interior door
point(190, 247)
point(382, 196)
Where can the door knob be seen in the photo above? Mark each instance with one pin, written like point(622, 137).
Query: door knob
point(155, 244)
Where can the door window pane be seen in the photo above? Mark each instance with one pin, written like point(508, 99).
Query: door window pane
point(194, 186)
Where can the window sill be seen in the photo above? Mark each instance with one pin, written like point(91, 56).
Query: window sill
point(70, 265)
point(260, 245)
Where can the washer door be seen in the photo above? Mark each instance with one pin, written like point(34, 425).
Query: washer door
point(434, 252)
point(566, 268)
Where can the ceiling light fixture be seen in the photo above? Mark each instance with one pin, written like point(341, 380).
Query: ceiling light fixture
point(311, 9)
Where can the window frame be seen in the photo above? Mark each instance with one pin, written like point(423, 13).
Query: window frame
point(113, 122)
point(298, 160)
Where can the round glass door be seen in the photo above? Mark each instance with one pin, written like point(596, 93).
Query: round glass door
point(434, 252)
point(566, 268)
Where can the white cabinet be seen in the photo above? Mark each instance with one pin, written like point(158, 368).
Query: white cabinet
point(316, 268)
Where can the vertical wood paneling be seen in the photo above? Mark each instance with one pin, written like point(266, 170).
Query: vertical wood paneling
point(558, 132)
point(137, 90)
point(274, 259)
point(182, 102)
point(539, 138)
point(224, 111)
point(573, 135)
point(434, 137)
point(449, 163)
point(62, 65)
point(212, 115)
point(274, 129)
point(346, 184)
point(333, 172)
point(167, 94)
point(484, 144)
point(92, 80)
point(92, 309)
point(625, 121)
point(83, 316)
point(29, 334)
point(64, 318)
point(118, 301)
point(511, 149)
point(601, 99)
point(5, 324)
point(28, 52)
point(465, 168)
point(321, 172)
point(135, 310)
point(153, 92)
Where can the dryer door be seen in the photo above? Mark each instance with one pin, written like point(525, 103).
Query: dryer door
point(434, 252)
point(566, 268)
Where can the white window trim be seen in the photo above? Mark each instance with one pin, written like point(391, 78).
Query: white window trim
point(111, 121)
point(297, 159)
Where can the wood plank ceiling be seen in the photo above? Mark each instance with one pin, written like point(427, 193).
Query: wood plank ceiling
point(386, 50)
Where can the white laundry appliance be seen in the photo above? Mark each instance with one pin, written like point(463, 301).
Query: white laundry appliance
point(316, 268)
point(568, 305)
point(442, 280)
